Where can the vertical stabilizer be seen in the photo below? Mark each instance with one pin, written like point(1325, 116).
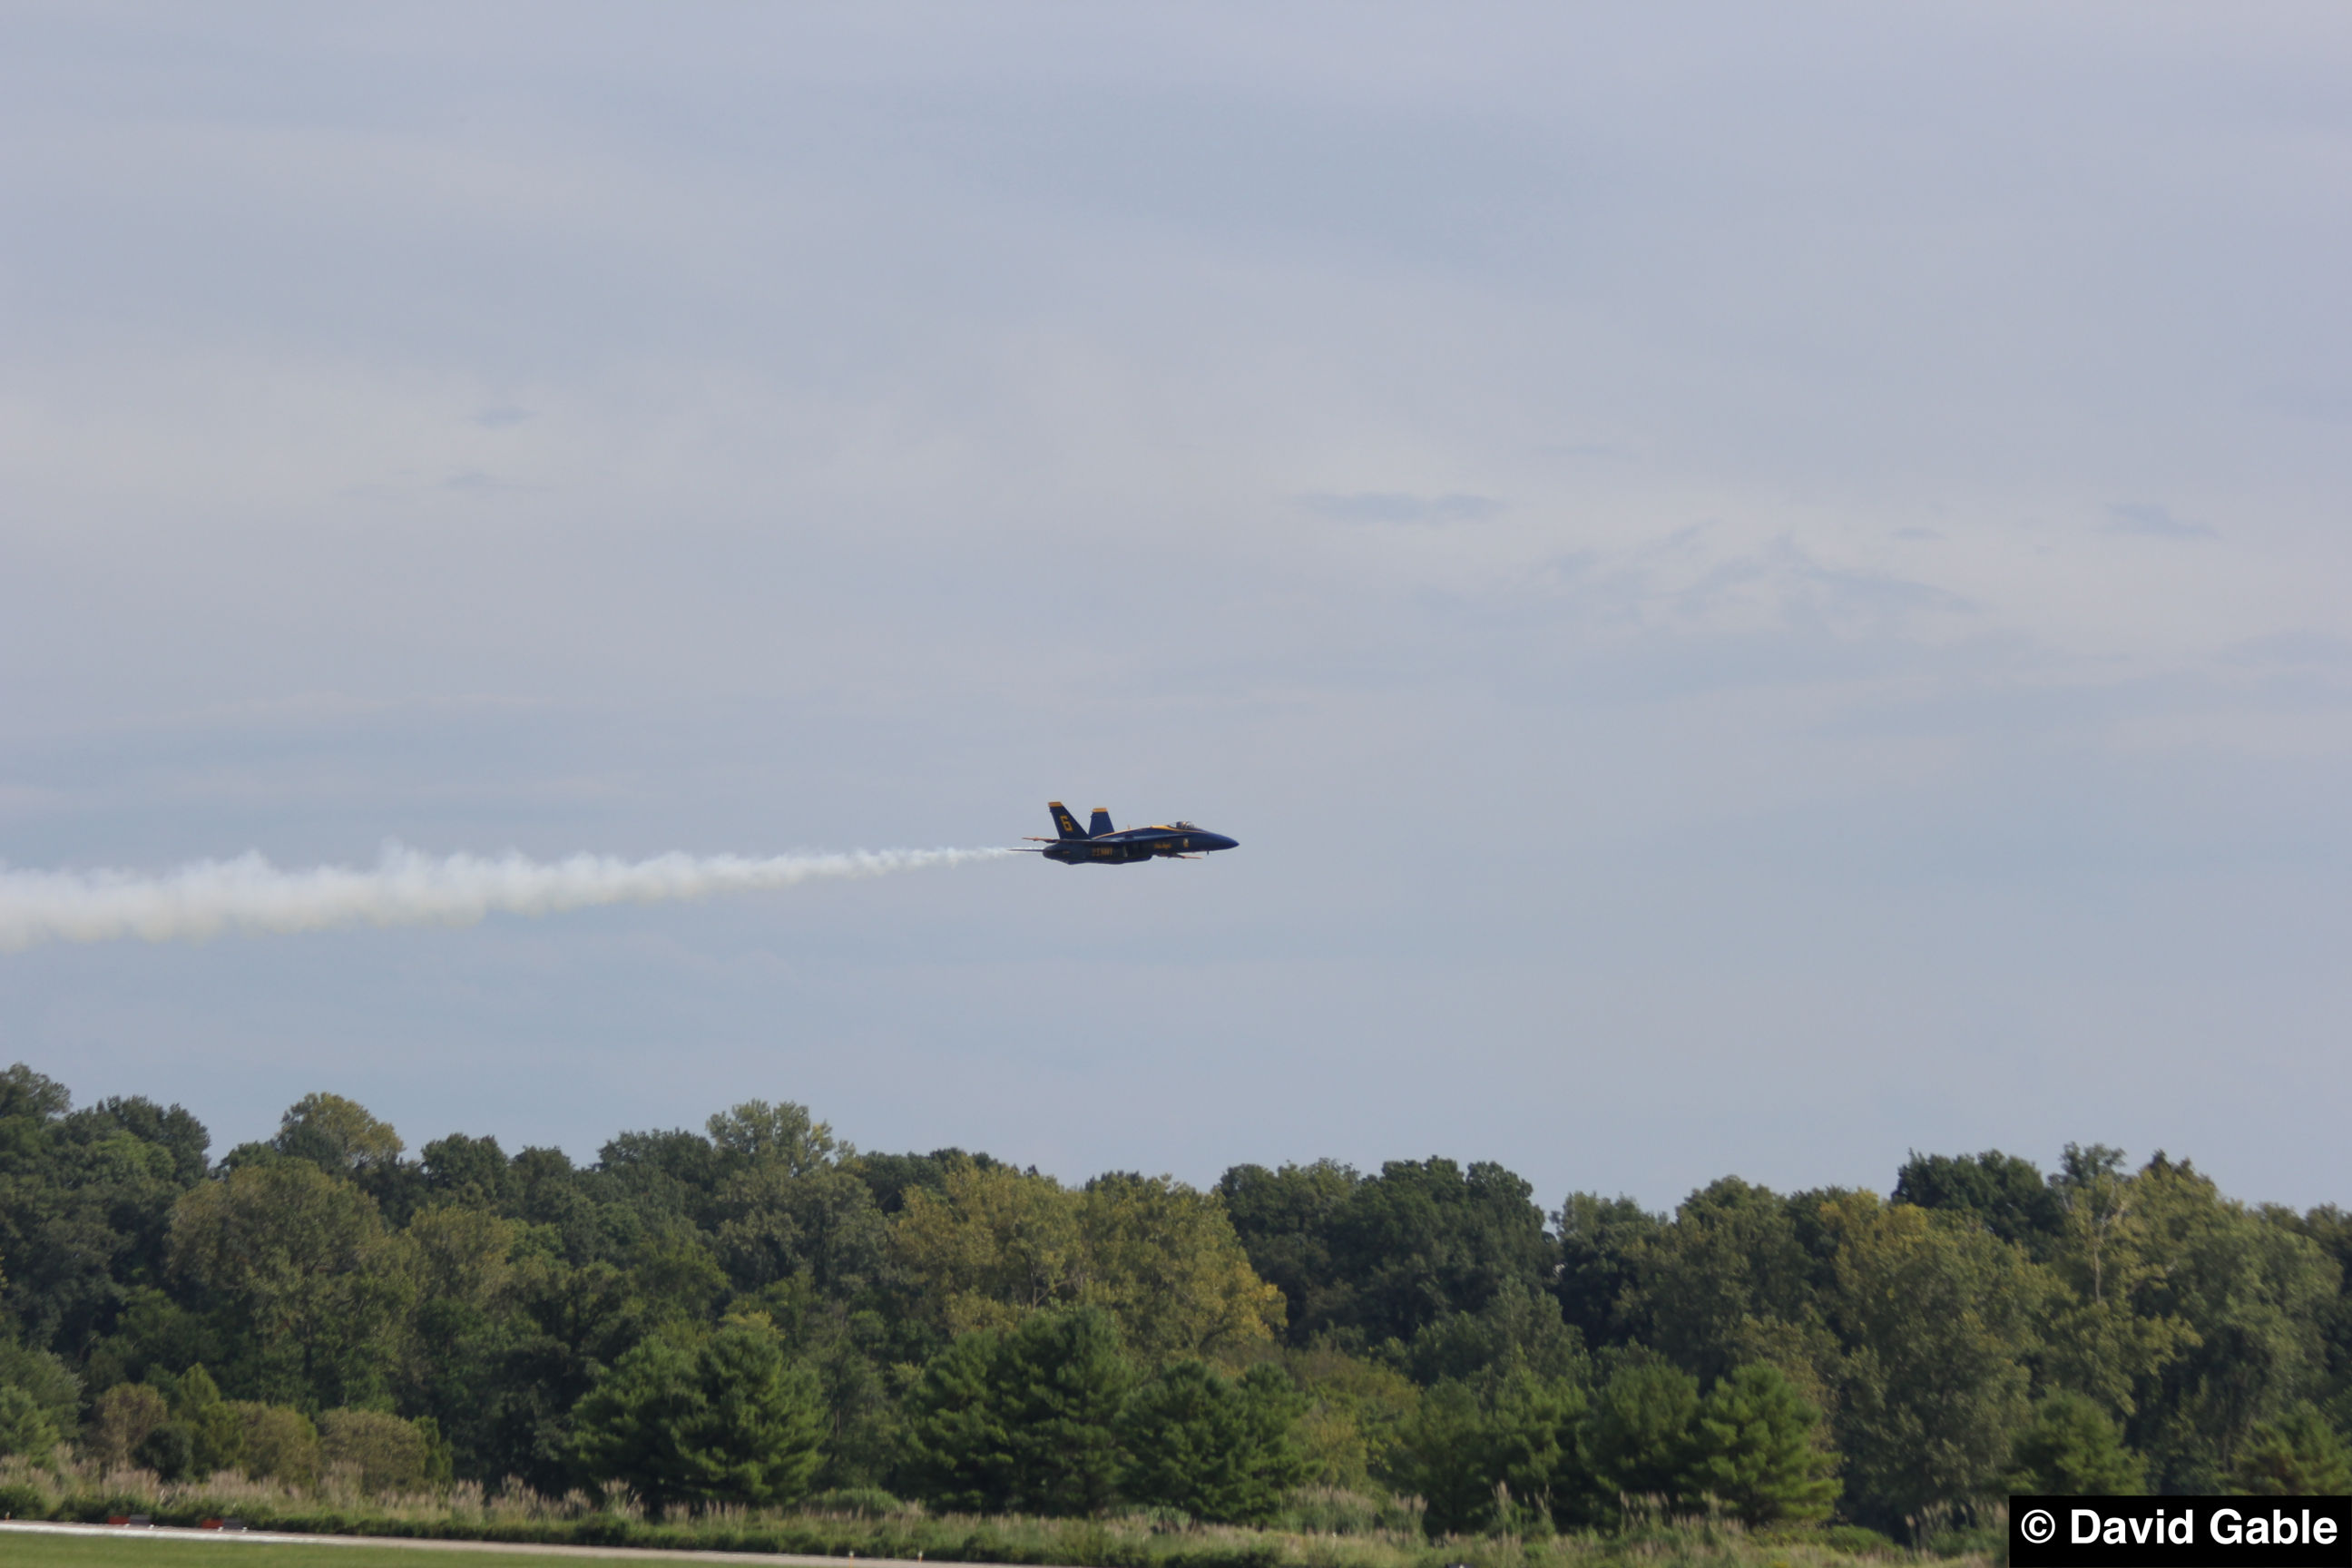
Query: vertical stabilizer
point(1063, 823)
point(1100, 825)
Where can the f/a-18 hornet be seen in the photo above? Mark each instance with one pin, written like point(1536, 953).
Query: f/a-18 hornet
point(1099, 844)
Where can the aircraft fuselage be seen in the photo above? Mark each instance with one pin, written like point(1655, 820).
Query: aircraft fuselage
point(1106, 846)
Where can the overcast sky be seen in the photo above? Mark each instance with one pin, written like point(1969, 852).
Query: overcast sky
point(1762, 587)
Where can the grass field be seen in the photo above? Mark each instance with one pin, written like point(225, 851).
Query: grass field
point(170, 1548)
point(160, 1552)
point(166, 1549)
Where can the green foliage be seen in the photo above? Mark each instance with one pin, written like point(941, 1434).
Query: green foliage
point(1383, 1257)
point(120, 1420)
point(85, 1199)
point(2071, 1447)
point(718, 1418)
point(1520, 1328)
point(1753, 1448)
point(1638, 1438)
point(301, 1262)
point(45, 1377)
point(168, 1450)
point(1934, 1321)
point(856, 1502)
point(525, 1315)
point(1158, 1257)
point(783, 1137)
point(215, 1433)
point(2005, 1193)
point(276, 1443)
point(1356, 1410)
point(1373, 1531)
point(1504, 1456)
point(1427, 1237)
point(1603, 1242)
point(1023, 1420)
point(337, 1135)
point(25, 1427)
point(471, 1172)
point(774, 1222)
point(2253, 1296)
point(1736, 1279)
point(1215, 1446)
point(959, 1444)
point(890, 1177)
point(1284, 1220)
point(1161, 1258)
point(2105, 1336)
point(1442, 1459)
point(379, 1450)
point(2298, 1453)
point(1528, 1444)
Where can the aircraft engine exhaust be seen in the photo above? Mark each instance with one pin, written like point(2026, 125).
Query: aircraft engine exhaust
point(247, 894)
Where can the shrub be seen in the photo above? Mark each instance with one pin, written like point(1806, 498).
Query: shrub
point(386, 1452)
point(279, 1444)
point(25, 1427)
point(858, 1502)
point(121, 1420)
point(170, 1450)
point(25, 1499)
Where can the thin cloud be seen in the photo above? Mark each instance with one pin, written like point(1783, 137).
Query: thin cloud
point(1397, 506)
point(2152, 522)
point(2300, 647)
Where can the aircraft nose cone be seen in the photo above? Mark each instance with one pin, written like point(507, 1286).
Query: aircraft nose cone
point(1222, 842)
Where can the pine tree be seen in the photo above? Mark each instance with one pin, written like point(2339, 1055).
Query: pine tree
point(2298, 1455)
point(2072, 1447)
point(1753, 1449)
point(1218, 1447)
point(718, 1418)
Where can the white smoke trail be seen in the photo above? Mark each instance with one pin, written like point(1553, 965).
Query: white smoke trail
point(249, 894)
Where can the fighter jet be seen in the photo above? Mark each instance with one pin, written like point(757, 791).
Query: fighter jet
point(1099, 844)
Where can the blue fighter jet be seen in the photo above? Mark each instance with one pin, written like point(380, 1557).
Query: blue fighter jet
point(1099, 844)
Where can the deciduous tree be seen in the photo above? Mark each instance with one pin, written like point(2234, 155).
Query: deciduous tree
point(302, 1263)
point(1934, 1321)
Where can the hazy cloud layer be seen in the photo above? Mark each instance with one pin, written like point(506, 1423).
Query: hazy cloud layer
point(1392, 507)
point(2152, 522)
point(1762, 591)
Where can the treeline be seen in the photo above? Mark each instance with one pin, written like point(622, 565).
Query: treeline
point(757, 1313)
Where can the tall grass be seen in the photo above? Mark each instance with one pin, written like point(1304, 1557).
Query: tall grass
point(1320, 1528)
